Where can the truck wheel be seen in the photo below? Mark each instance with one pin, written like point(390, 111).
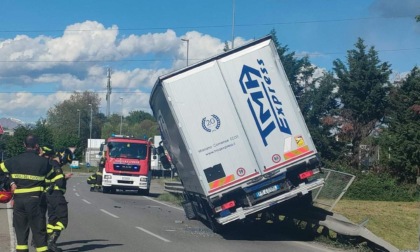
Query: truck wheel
point(212, 222)
point(189, 210)
point(144, 192)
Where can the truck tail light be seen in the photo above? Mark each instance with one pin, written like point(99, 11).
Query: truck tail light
point(306, 174)
point(225, 206)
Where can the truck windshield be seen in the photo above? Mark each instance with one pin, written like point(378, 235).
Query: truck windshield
point(128, 150)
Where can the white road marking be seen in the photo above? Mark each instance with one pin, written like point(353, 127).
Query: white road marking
point(155, 235)
point(87, 202)
point(178, 208)
point(77, 194)
point(113, 215)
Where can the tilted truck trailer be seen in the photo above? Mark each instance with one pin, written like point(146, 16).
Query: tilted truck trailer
point(235, 133)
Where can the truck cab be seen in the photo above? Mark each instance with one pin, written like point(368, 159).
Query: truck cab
point(126, 164)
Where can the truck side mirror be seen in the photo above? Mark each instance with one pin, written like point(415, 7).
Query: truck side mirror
point(165, 162)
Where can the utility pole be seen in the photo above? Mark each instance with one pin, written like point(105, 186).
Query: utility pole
point(108, 93)
point(122, 99)
point(233, 23)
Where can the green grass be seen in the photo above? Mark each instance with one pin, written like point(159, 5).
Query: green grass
point(395, 222)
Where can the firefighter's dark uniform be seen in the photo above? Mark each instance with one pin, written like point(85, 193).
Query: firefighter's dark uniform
point(95, 180)
point(56, 204)
point(28, 171)
point(54, 199)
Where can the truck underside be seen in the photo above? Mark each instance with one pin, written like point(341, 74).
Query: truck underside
point(243, 202)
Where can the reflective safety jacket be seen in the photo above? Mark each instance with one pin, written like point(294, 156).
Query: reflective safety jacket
point(28, 171)
point(57, 183)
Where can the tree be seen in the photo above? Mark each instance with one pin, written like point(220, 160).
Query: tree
point(111, 126)
point(319, 104)
point(402, 137)
point(363, 85)
point(14, 145)
point(63, 119)
point(295, 68)
point(3, 146)
point(44, 132)
point(145, 129)
point(137, 117)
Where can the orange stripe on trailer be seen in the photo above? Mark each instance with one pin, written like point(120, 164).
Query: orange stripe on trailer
point(296, 152)
point(221, 181)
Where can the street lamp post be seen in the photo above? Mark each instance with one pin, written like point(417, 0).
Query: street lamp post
point(78, 132)
point(90, 124)
point(188, 46)
point(122, 99)
point(90, 132)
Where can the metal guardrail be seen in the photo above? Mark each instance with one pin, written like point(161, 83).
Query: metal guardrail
point(174, 187)
point(336, 185)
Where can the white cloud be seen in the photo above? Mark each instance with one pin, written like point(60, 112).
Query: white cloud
point(75, 62)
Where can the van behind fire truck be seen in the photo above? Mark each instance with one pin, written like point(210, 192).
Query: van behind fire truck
point(127, 164)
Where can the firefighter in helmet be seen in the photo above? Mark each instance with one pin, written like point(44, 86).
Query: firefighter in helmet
point(55, 190)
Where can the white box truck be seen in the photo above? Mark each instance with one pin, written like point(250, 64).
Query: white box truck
point(235, 134)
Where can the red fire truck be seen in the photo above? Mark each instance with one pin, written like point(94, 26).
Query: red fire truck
point(126, 164)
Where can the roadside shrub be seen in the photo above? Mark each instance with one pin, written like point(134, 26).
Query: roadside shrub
point(380, 187)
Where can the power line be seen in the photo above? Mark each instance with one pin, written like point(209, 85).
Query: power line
point(72, 92)
point(202, 26)
point(163, 59)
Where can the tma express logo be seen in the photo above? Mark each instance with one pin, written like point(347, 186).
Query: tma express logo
point(263, 101)
point(211, 123)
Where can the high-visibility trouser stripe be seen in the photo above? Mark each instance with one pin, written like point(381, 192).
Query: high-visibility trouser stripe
point(50, 228)
point(41, 249)
point(3, 168)
point(22, 247)
point(59, 226)
point(28, 190)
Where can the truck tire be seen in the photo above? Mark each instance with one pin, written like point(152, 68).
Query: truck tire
point(212, 222)
point(189, 210)
point(144, 192)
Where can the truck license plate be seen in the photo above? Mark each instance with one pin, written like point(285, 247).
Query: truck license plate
point(126, 178)
point(266, 191)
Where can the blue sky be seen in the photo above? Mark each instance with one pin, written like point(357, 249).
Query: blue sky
point(49, 49)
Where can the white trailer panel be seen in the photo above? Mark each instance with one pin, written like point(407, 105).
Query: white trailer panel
point(230, 119)
point(267, 106)
point(210, 124)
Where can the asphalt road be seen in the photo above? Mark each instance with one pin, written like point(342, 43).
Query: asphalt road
point(128, 222)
